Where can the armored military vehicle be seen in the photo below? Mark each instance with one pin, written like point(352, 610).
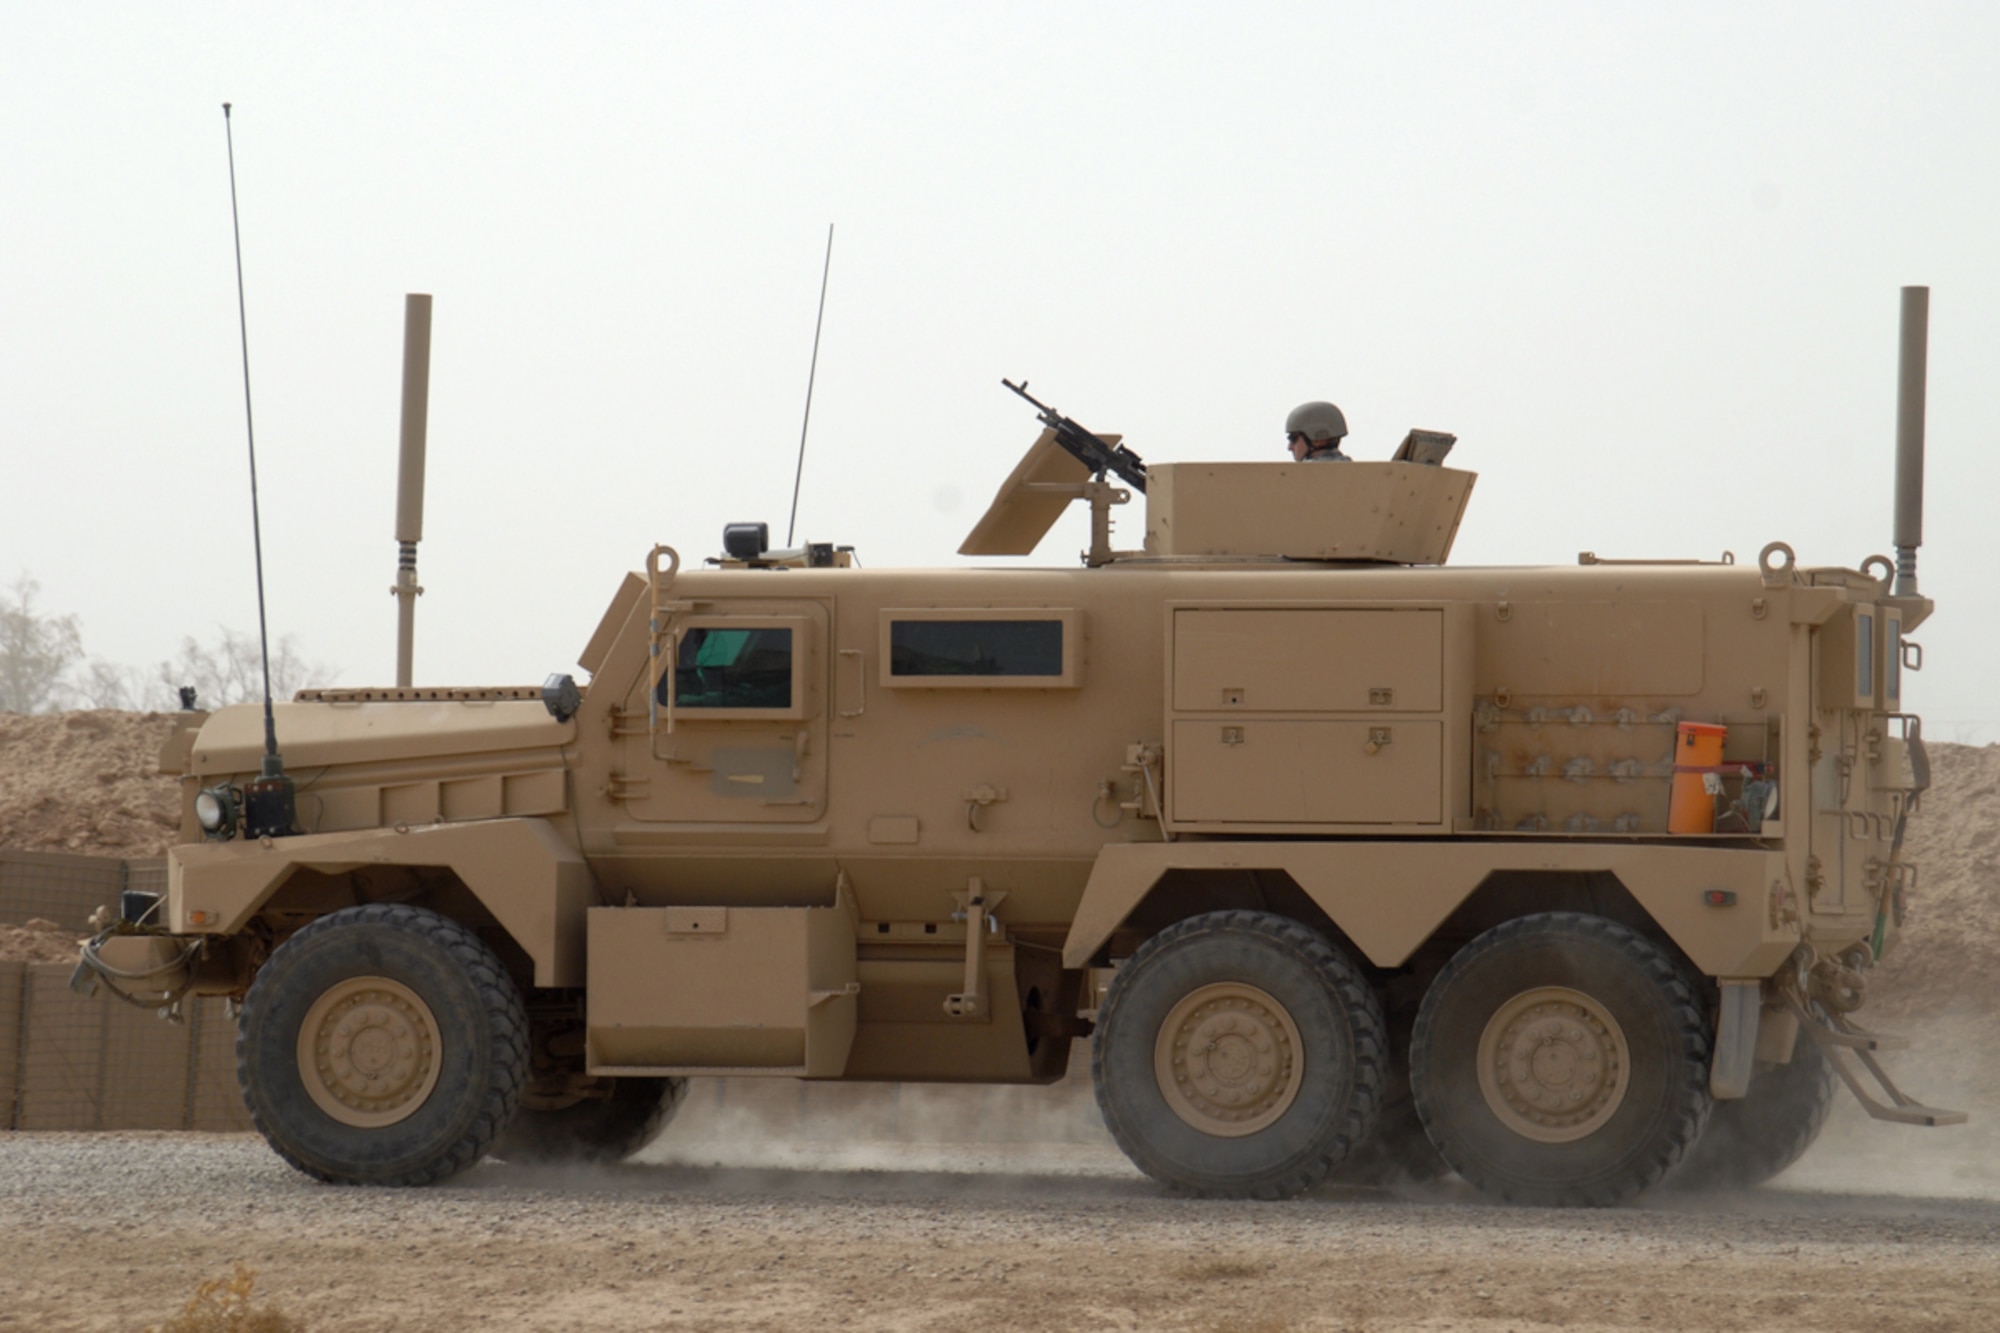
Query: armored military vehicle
point(1342, 857)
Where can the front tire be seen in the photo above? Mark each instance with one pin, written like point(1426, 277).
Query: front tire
point(382, 1045)
point(1239, 1054)
point(1561, 1060)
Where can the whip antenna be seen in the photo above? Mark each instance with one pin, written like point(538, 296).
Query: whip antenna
point(269, 806)
point(799, 474)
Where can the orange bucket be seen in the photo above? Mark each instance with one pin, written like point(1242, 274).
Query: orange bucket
point(1697, 752)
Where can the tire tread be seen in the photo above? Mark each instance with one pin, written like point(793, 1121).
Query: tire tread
point(1748, 1141)
point(509, 1038)
point(1349, 987)
point(1687, 1084)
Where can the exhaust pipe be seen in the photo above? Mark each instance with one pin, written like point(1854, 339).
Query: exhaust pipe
point(410, 475)
point(1910, 437)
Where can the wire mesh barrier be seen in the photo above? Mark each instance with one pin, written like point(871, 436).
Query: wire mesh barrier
point(68, 1062)
point(66, 889)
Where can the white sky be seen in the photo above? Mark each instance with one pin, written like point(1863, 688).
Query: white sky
point(1643, 260)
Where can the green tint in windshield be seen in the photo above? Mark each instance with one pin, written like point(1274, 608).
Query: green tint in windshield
point(733, 668)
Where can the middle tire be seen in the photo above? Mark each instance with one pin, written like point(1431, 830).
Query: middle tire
point(598, 1129)
point(1239, 1054)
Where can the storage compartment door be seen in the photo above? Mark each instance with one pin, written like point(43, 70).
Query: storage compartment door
point(1251, 771)
point(721, 989)
point(1309, 660)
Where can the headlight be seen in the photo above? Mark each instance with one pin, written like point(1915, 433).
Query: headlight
point(215, 810)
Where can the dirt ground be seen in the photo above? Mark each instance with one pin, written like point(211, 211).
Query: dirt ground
point(1029, 1219)
point(113, 1231)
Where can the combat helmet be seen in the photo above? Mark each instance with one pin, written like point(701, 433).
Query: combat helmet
point(1318, 422)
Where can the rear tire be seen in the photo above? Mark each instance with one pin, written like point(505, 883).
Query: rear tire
point(382, 1045)
point(1750, 1139)
point(1238, 1054)
point(1561, 1060)
point(594, 1129)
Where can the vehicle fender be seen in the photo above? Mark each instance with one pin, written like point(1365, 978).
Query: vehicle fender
point(536, 885)
point(1388, 898)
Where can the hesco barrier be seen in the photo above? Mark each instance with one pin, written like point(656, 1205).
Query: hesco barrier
point(77, 1063)
point(66, 889)
point(69, 1063)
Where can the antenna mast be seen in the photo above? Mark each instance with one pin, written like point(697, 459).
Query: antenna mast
point(799, 474)
point(269, 803)
point(410, 476)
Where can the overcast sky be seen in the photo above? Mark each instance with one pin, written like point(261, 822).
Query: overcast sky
point(1643, 260)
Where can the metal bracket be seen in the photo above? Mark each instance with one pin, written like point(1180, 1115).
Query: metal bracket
point(1143, 761)
point(1836, 1039)
point(619, 787)
point(978, 798)
point(815, 998)
point(1101, 495)
point(976, 906)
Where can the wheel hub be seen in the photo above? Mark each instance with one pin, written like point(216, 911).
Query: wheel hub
point(1553, 1064)
point(368, 1052)
point(1228, 1059)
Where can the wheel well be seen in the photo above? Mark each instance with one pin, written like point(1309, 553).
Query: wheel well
point(1506, 895)
point(1502, 896)
point(307, 894)
point(1182, 893)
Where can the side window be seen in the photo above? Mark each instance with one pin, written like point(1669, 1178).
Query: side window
point(975, 648)
point(987, 648)
point(727, 667)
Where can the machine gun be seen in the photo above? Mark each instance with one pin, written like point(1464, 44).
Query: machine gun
point(1087, 448)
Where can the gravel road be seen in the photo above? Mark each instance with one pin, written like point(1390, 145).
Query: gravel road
point(112, 1231)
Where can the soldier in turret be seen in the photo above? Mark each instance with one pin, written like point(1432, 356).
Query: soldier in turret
point(1314, 432)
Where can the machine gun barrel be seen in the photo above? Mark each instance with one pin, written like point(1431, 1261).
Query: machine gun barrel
point(1089, 449)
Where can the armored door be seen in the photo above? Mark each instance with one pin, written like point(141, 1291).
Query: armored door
point(735, 709)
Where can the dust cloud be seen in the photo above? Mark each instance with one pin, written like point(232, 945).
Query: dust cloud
point(1939, 987)
point(785, 1124)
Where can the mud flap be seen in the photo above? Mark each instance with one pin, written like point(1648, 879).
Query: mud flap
point(1736, 1039)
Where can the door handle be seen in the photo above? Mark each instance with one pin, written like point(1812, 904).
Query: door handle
point(861, 681)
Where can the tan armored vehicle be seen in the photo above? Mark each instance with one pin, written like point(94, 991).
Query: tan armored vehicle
point(1343, 858)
